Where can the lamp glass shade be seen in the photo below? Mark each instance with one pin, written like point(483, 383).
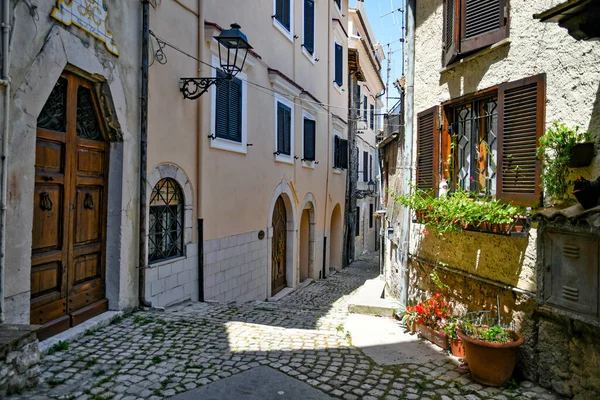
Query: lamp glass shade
point(233, 50)
point(371, 185)
point(390, 233)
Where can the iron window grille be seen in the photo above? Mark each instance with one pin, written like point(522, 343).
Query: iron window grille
point(166, 221)
point(474, 146)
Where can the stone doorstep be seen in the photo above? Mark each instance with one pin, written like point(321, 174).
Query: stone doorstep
point(78, 331)
point(11, 334)
point(281, 294)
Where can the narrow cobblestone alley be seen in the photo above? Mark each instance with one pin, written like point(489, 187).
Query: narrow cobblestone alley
point(158, 355)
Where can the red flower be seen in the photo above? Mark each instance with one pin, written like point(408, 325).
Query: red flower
point(426, 232)
point(438, 312)
point(437, 295)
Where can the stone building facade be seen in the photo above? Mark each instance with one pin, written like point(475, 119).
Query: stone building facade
point(460, 75)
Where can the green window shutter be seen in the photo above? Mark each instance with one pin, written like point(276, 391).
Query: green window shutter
point(309, 25)
point(222, 108)
point(287, 134)
point(309, 139)
point(235, 110)
point(339, 64)
point(282, 12)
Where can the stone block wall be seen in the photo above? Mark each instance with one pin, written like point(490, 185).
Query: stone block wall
point(174, 281)
point(235, 268)
point(19, 359)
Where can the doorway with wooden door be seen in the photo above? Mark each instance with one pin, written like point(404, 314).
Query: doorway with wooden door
point(279, 247)
point(70, 202)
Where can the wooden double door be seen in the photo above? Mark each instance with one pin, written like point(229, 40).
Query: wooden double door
point(279, 247)
point(69, 216)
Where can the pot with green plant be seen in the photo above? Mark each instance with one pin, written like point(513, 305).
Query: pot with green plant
point(408, 316)
point(561, 148)
point(451, 327)
point(491, 351)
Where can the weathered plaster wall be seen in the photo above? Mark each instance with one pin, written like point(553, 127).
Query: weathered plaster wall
point(41, 50)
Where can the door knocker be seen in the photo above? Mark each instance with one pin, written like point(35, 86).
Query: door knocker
point(45, 202)
point(88, 202)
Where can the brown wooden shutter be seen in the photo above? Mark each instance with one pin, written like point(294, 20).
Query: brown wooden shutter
point(427, 148)
point(521, 121)
point(483, 23)
point(451, 30)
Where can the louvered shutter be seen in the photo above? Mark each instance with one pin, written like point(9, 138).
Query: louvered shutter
point(280, 128)
point(309, 139)
point(427, 148)
point(343, 154)
point(484, 22)
point(336, 152)
point(370, 168)
point(287, 127)
point(235, 110)
point(365, 101)
point(521, 121)
point(339, 66)
point(365, 166)
point(222, 108)
point(451, 44)
point(372, 122)
point(309, 25)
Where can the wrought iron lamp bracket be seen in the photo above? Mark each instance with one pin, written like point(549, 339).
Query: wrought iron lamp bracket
point(193, 88)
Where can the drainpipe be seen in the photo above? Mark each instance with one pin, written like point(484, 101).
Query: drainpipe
point(330, 124)
point(4, 156)
point(199, 135)
point(404, 244)
point(143, 251)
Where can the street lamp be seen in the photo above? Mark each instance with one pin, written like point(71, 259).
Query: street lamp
point(233, 50)
point(369, 192)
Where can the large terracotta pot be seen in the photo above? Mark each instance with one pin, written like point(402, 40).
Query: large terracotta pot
point(491, 363)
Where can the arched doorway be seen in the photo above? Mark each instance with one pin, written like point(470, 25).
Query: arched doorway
point(70, 203)
point(335, 237)
point(304, 245)
point(279, 247)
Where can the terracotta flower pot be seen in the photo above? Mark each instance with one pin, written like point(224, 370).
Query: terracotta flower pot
point(433, 336)
point(491, 364)
point(581, 155)
point(458, 348)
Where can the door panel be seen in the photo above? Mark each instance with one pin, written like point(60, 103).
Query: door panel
point(279, 249)
point(68, 236)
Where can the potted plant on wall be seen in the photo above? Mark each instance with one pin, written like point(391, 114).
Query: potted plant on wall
point(491, 351)
point(561, 148)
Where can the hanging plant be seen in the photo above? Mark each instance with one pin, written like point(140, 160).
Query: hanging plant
point(555, 151)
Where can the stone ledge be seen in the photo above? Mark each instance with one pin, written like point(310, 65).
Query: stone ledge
point(19, 358)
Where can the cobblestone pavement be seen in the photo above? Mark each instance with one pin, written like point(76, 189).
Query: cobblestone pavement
point(157, 355)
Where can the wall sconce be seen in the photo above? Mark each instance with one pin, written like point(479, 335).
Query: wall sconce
point(235, 46)
point(390, 232)
point(361, 194)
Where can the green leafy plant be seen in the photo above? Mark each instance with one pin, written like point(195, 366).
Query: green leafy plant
point(457, 210)
point(493, 334)
point(61, 345)
point(554, 149)
point(407, 314)
point(451, 326)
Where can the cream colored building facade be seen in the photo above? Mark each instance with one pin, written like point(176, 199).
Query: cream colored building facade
point(369, 109)
point(255, 205)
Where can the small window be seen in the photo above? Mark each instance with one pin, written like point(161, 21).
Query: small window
point(365, 105)
point(371, 211)
point(228, 110)
point(340, 153)
point(283, 13)
point(284, 129)
point(470, 25)
point(166, 221)
point(372, 122)
point(357, 222)
point(309, 26)
point(370, 168)
point(339, 64)
point(309, 139)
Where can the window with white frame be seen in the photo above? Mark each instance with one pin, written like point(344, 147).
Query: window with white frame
point(340, 152)
point(309, 26)
point(283, 16)
point(309, 127)
point(284, 129)
point(228, 112)
point(339, 64)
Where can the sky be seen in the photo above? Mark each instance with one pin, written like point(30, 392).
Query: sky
point(387, 29)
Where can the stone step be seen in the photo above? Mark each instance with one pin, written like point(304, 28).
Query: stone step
point(368, 300)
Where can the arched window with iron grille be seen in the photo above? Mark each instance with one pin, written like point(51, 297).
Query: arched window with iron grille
point(166, 221)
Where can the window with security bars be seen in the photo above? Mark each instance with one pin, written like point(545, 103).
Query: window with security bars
point(470, 25)
point(165, 239)
point(472, 161)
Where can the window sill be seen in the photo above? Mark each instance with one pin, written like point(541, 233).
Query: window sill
point(337, 171)
point(166, 262)
point(282, 158)
point(489, 49)
point(339, 10)
point(285, 31)
point(339, 88)
point(311, 57)
point(229, 145)
point(308, 164)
